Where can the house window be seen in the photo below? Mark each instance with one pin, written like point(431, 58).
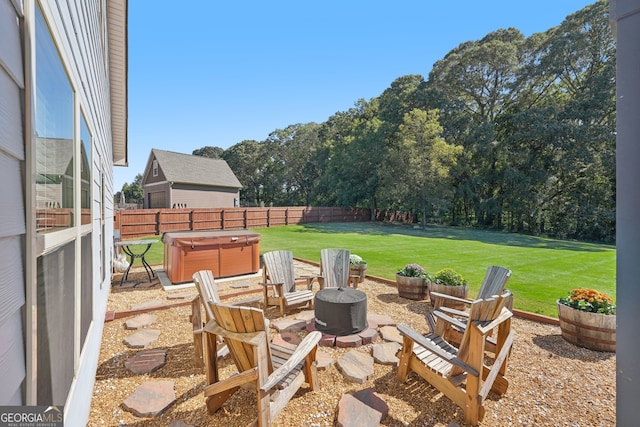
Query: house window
point(155, 168)
point(63, 219)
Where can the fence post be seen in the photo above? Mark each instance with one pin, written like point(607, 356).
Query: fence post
point(286, 216)
point(245, 219)
point(268, 217)
point(222, 218)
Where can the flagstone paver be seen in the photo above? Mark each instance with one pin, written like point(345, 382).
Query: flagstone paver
point(363, 408)
point(348, 341)
point(390, 333)
point(142, 338)
point(147, 361)
point(385, 354)
point(150, 398)
point(381, 319)
point(356, 366)
point(140, 321)
point(289, 325)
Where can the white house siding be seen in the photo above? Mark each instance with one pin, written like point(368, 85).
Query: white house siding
point(79, 33)
point(12, 220)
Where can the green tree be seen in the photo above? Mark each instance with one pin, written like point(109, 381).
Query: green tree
point(247, 163)
point(208, 151)
point(133, 192)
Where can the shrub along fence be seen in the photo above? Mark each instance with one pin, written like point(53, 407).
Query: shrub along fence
point(134, 223)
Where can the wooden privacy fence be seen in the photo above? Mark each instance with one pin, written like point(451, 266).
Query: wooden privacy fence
point(145, 222)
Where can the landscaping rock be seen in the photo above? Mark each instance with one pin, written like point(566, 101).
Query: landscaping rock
point(381, 319)
point(141, 321)
point(390, 333)
point(363, 408)
point(356, 366)
point(147, 361)
point(368, 336)
point(323, 360)
point(150, 399)
point(306, 315)
point(385, 354)
point(348, 341)
point(142, 338)
point(289, 325)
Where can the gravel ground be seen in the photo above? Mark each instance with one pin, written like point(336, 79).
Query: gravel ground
point(552, 382)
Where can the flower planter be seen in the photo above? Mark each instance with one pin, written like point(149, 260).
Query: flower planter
point(454, 291)
point(413, 288)
point(359, 271)
point(594, 331)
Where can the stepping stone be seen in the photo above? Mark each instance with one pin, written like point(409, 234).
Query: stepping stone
point(385, 354)
point(147, 304)
point(183, 295)
point(287, 340)
point(369, 335)
point(348, 341)
point(363, 408)
point(141, 321)
point(306, 315)
point(327, 341)
point(381, 319)
point(142, 338)
point(390, 333)
point(180, 423)
point(147, 361)
point(150, 399)
point(289, 325)
point(356, 366)
point(323, 360)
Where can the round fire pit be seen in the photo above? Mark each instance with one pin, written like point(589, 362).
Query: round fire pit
point(340, 311)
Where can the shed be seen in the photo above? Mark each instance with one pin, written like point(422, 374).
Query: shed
point(177, 180)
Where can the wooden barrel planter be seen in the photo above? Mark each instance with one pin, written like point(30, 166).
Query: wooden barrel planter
point(454, 291)
point(594, 331)
point(359, 271)
point(413, 288)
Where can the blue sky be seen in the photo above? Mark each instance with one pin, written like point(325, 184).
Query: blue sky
point(216, 73)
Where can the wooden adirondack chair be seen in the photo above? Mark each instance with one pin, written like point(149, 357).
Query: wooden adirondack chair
point(460, 373)
point(493, 283)
point(276, 373)
point(279, 282)
point(207, 295)
point(334, 269)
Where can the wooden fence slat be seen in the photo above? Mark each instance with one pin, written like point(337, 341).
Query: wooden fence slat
point(134, 223)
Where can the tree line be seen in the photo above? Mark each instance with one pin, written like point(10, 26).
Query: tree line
point(508, 132)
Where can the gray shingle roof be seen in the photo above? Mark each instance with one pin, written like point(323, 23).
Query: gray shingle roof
point(189, 169)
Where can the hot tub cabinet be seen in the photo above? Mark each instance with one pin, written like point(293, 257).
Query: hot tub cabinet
point(226, 253)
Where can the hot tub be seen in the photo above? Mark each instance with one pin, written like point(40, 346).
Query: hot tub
point(226, 253)
point(340, 311)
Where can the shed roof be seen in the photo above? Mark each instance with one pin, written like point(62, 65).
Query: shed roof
point(189, 169)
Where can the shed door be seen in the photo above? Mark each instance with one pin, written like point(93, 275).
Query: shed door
point(157, 199)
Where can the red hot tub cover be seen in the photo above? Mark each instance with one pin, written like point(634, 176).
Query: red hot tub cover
point(340, 311)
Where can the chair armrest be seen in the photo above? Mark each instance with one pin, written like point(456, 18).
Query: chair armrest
point(309, 343)
point(450, 320)
point(439, 352)
point(251, 338)
point(485, 327)
point(450, 297)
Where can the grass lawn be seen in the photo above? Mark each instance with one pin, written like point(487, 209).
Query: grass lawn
point(543, 269)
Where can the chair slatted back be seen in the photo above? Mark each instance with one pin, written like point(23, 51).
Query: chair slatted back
point(482, 311)
point(206, 286)
point(334, 267)
point(241, 319)
point(279, 268)
point(494, 281)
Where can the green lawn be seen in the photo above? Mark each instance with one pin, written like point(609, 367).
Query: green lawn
point(543, 269)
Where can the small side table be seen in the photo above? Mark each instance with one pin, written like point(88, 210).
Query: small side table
point(126, 248)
